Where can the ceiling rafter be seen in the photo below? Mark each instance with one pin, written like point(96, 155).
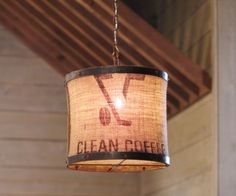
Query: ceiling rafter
point(75, 34)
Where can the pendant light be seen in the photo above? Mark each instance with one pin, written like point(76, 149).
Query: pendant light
point(117, 117)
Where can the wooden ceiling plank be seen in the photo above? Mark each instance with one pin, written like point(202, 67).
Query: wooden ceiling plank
point(29, 17)
point(33, 22)
point(140, 47)
point(172, 99)
point(105, 30)
point(96, 36)
point(43, 16)
point(39, 51)
point(172, 109)
point(175, 101)
point(168, 110)
point(60, 13)
point(68, 14)
point(68, 32)
point(127, 53)
point(90, 34)
point(31, 38)
point(66, 27)
point(172, 106)
point(145, 49)
point(166, 50)
point(97, 30)
point(180, 93)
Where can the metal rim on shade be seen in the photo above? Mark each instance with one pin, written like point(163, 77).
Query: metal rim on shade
point(115, 69)
point(119, 155)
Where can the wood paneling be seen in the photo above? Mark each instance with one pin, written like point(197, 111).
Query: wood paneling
point(73, 34)
point(190, 142)
point(199, 186)
point(41, 75)
point(185, 164)
point(178, 11)
point(191, 133)
point(187, 132)
point(33, 132)
point(182, 24)
point(9, 45)
point(45, 182)
point(32, 98)
point(23, 153)
point(32, 125)
point(201, 52)
point(192, 29)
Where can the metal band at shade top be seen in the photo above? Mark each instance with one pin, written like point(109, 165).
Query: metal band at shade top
point(115, 69)
point(119, 155)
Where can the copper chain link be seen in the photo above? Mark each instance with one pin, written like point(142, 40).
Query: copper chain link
point(116, 51)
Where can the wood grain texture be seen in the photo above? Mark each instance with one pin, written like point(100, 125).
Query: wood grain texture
point(199, 186)
point(31, 40)
point(33, 181)
point(193, 28)
point(180, 12)
point(33, 132)
point(181, 23)
point(22, 153)
point(185, 164)
point(201, 52)
point(10, 45)
point(138, 38)
point(31, 70)
point(187, 134)
point(190, 142)
point(32, 98)
point(79, 34)
point(32, 126)
point(191, 133)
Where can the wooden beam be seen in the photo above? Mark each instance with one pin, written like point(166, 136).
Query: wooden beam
point(104, 34)
point(163, 48)
point(54, 8)
point(73, 34)
point(153, 59)
point(96, 29)
point(141, 48)
point(33, 22)
point(31, 39)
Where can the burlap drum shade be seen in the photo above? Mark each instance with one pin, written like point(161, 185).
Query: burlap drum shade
point(117, 119)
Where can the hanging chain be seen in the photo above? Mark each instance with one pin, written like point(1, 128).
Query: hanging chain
point(116, 51)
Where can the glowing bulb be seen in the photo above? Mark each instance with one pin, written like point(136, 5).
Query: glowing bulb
point(118, 103)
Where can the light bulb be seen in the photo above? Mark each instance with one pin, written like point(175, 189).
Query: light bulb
point(118, 103)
